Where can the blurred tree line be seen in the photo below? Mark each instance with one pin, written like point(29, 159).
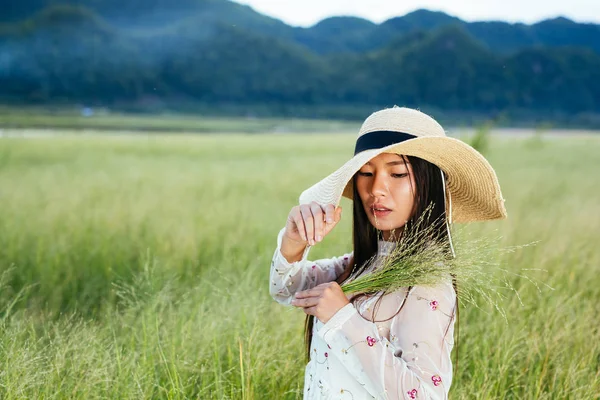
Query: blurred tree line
point(214, 51)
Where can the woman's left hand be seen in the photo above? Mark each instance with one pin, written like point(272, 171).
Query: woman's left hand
point(322, 301)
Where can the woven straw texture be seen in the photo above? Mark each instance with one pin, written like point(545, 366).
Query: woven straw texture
point(472, 183)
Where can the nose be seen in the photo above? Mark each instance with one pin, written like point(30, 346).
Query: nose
point(380, 185)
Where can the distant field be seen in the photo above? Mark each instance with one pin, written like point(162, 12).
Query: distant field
point(136, 266)
point(100, 120)
point(43, 121)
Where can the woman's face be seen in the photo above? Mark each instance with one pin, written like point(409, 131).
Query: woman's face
point(386, 188)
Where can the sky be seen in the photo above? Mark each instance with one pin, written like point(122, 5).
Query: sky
point(309, 12)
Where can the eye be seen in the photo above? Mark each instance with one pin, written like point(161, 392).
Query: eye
point(399, 175)
point(361, 173)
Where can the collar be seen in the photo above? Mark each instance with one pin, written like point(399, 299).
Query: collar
point(384, 248)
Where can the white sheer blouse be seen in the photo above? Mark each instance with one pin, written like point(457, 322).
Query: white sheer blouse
point(402, 355)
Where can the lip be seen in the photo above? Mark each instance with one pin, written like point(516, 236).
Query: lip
point(380, 211)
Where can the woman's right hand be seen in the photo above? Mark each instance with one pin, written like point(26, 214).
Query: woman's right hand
point(308, 224)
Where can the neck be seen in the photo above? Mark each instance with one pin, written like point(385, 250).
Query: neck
point(392, 235)
point(384, 248)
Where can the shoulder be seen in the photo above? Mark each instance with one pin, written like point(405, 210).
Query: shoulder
point(444, 290)
point(440, 298)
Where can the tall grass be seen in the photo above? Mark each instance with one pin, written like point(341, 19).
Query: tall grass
point(137, 267)
point(480, 140)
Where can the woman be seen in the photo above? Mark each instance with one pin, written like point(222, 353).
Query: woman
point(405, 176)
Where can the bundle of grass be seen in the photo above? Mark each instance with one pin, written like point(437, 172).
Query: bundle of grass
point(419, 260)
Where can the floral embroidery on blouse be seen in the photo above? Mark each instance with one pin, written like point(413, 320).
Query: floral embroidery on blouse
point(325, 359)
point(412, 393)
point(371, 341)
point(434, 305)
point(437, 380)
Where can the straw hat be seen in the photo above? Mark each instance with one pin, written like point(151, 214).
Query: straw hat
point(472, 184)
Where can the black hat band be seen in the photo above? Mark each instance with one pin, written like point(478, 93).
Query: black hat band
point(379, 139)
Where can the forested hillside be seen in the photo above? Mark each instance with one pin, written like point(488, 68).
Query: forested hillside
point(216, 51)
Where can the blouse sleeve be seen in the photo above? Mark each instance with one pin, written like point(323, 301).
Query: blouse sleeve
point(415, 362)
point(289, 278)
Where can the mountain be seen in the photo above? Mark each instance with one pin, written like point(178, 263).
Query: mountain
point(498, 36)
point(337, 35)
point(70, 52)
point(419, 20)
point(447, 68)
point(215, 52)
point(504, 37)
point(332, 35)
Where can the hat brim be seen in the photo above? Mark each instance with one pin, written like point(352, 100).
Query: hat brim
point(471, 181)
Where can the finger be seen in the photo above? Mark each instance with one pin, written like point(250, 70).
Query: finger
point(308, 223)
point(302, 295)
point(297, 217)
point(329, 213)
point(310, 310)
point(314, 292)
point(338, 214)
point(307, 302)
point(317, 213)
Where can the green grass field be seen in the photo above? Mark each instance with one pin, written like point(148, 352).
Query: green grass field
point(137, 267)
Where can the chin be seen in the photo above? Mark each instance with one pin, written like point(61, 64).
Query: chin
point(383, 226)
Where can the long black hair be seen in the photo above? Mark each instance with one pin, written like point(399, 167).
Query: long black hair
point(429, 213)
